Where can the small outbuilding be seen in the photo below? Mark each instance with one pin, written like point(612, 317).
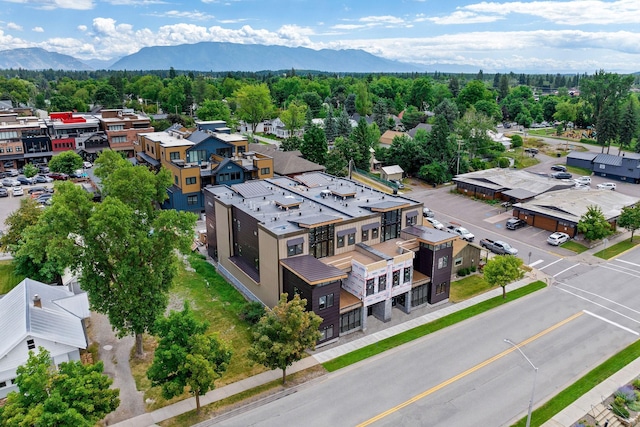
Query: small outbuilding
point(391, 172)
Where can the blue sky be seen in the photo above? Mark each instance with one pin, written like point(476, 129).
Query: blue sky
point(530, 36)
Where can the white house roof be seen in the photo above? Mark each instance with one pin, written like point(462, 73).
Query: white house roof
point(59, 319)
point(389, 170)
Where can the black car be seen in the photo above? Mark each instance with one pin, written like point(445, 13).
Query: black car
point(43, 197)
point(515, 223)
point(558, 168)
point(531, 150)
point(23, 180)
point(4, 192)
point(561, 175)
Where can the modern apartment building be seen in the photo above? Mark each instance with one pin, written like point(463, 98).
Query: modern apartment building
point(69, 130)
point(122, 126)
point(199, 158)
point(350, 250)
point(23, 139)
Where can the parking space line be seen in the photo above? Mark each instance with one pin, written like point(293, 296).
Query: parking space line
point(611, 322)
point(600, 305)
point(549, 265)
point(619, 269)
point(599, 296)
point(627, 262)
point(566, 269)
point(533, 264)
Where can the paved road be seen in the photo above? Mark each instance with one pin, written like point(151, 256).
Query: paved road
point(467, 375)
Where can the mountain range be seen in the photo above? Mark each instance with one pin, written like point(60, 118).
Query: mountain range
point(214, 56)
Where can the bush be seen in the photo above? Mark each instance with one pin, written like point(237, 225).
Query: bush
point(473, 269)
point(516, 141)
point(503, 162)
point(618, 407)
point(463, 271)
point(252, 312)
point(636, 383)
point(627, 393)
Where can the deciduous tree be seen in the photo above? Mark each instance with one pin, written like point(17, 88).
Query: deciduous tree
point(314, 145)
point(187, 356)
point(213, 109)
point(502, 270)
point(630, 218)
point(284, 333)
point(73, 395)
point(594, 225)
point(65, 162)
point(293, 118)
point(254, 104)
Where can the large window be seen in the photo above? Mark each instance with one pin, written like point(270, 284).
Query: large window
point(295, 249)
point(396, 278)
point(371, 286)
point(325, 301)
point(391, 225)
point(119, 139)
point(321, 241)
point(351, 320)
point(375, 233)
point(265, 171)
point(115, 127)
point(326, 333)
point(192, 200)
point(195, 156)
point(340, 242)
point(419, 295)
point(382, 282)
point(351, 239)
point(407, 275)
point(441, 288)
point(190, 180)
point(365, 235)
point(174, 155)
point(443, 262)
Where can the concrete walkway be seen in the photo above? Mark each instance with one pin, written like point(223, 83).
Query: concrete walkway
point(566, 418)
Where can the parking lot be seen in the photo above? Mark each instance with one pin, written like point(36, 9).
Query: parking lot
point(12, 203)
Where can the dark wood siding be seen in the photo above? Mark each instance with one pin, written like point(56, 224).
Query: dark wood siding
point(441, 277)
point(212, 234)
point(245, 238)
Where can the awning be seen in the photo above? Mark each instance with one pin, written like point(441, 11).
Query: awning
point(296, 241)
point(345, 232)
point(147, 158)
point(412, 214)
point(370, 226)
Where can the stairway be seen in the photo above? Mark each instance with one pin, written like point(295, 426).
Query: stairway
point(602, 414)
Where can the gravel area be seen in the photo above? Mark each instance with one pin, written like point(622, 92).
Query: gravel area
point(115, 353)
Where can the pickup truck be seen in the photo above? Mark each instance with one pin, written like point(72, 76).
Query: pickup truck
point(498, 247)
point(461, 231)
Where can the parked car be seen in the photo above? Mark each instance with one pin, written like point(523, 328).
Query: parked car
point(436, 224)
point(23, 180)
point(397, 182)
point(43, 169)
point(427, 213)
point(12, 172)
point(461, 231)
point(58, 176)
point(531, 150)
point(557, 238)
point(607, 186)
point(78, 173)
point(40, 189)
point(17, 191)
point(42, 179)
point(87, 165)
point(561, 175)
point(10, 182)
point(579, 186)
point(583, 180)
point(44, 197)
point(498, 247)
point(559, 168)
point(515, 223)
point(4, 192)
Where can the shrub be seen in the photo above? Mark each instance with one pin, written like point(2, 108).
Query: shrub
point(473, 268)
point(627, 393)
point(503, 162)
point(516, 141)
point(252, 312)
point(636, 383)
point(618, 407)
point(463, 271)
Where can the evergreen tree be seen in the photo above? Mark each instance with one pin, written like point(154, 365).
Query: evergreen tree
point(350, 104)
point(343, 125)
point(380, 115)
point(330, 125)
point(628, 125)
point(314, 145)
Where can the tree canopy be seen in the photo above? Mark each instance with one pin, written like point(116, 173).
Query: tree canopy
point(594, 225)
point(65, 162)
point(630, 218)
point(254, 104)
point(284, 333)
point(186, 356)
point(74, 395)
point(502, 270)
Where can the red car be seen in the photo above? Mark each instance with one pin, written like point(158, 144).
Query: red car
point(58, 176)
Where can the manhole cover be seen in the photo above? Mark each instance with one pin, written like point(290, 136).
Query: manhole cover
point(108, 347)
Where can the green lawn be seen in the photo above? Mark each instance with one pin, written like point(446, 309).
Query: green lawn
point(8, 279)
point(574, 246)
point(616, 249)
point(468, 287)
point(578, 171)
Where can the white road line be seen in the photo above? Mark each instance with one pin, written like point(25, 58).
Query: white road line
point(533, 264)
point(599, 305)
point(617, 270)
point(549, 265)
point(621, 268)
point(611, 322)
point(599, 296)
point(566, 269)
point(627, 262)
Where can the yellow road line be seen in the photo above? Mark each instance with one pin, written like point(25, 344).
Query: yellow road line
point(467, 372)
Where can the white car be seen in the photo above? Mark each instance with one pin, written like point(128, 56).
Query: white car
point(87, 165)
point(558, 238)
point(607, 186)
point(17, 191)
point(436, 224)
point(583, 180)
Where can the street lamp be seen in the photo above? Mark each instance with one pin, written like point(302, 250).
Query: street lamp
point(535, 377)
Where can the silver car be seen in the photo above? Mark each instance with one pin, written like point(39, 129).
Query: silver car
point(557, 238)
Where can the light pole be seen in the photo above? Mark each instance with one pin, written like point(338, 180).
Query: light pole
point(535, 377)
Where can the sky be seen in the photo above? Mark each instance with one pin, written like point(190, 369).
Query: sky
point(568, 36)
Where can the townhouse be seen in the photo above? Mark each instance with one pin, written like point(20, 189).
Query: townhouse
point(349, 250)
point(200, 158)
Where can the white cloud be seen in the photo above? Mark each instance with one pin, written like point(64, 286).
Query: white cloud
point(82, 28)
point(192, 16)
point(232, 21)
point(14, 26)
point(57, 4)
point(386, 19)
point(37, 30)
point(573, 12)
point(135, 2)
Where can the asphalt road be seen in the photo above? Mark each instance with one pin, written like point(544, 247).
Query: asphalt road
point(467, 375)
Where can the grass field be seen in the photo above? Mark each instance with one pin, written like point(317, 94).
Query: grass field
point(616, 249)
point(574, 246)
point(468, 287)
point(8, 279)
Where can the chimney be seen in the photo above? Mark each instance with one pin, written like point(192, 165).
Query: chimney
point(36, 301)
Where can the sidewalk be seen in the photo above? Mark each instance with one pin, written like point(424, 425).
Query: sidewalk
point(565, 418)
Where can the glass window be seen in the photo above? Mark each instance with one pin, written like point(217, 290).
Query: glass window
point(31, 344)
point(365, 235)
point(371, 288)
point(412, 220)
point(325, 301)
point(407, 275)
point(441, 288)
point(265, 171)
point(351, 239)
point(375, 233)
point(191, 180)
point(382, 282)
point(340, 241)
point(443, 262)
point(174, 155)
point(396, 278)
point(351, 320)
point(293, 250)
point(457, 262)
point(192, 200)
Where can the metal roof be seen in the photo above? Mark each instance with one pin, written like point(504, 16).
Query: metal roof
point(511, 179)
point(59, 319)
point(582, 155)
point(519, 193)
point(312, 270)
point(608, 159)
point(428, 234)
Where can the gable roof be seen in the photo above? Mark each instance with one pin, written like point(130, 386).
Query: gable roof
point(387, 136)
point(390, 170)
point(426, 126)
point(286, 162)
point(59, 319)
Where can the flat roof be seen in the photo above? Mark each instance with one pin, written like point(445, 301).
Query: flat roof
point(167, 140)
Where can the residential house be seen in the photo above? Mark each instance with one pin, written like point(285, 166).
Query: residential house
point(33, 315)
point(386, 139)
point(122, 126)
point(197, 159)
point(427, 128)
point(350, 250)
point(276, 127)
point(286, 163)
